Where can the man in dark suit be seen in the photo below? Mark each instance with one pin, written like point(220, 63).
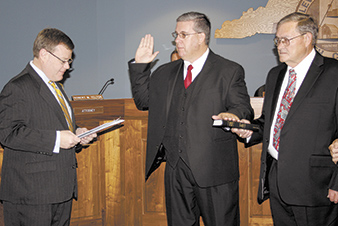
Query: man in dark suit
point(297, 172)
point(38, 180)
point(202, 173)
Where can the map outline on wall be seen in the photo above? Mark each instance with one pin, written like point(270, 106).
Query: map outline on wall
point(264, 19)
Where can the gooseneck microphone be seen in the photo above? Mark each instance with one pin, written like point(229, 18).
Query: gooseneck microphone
point(109, 82)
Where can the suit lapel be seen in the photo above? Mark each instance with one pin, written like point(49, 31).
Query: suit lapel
point(311, 77)
point(202, 77)
point(69, 104)
point(54, 104)
point(171, 84)
point(48, 96)
point(276, 90)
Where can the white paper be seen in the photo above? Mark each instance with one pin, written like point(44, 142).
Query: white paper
point(101, 127)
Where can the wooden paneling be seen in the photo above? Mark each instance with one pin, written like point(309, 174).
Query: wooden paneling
point(112, 188)
point(89, 186)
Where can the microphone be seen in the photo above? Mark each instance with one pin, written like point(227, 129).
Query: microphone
point(109, 82)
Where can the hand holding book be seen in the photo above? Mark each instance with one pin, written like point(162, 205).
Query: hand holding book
point(228, 121)
point(234, 124)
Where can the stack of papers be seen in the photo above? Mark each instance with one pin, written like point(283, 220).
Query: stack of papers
point(101, 127)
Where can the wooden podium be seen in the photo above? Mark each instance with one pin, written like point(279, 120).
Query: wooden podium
point(111, 172)
point(112, 189)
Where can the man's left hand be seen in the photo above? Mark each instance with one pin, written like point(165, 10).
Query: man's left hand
point(333, 196)
point(334, 151)
point(87, 139)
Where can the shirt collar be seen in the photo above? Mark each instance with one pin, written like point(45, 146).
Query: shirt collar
point(39, 72)
point(304, 65)
point(199, 63)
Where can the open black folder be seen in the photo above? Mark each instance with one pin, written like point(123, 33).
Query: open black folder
point(232, 124)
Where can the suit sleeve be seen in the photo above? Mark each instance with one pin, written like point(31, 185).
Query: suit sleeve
point(334, 181)
point(140, 81)
point(15, 132)
point(257, 136)
point(238, 100)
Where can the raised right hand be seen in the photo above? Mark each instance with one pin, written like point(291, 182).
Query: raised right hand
point(144, 52)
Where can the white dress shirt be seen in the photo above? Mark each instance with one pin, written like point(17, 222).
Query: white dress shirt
point(197, 65)
point(46, 80)
point(301, 70)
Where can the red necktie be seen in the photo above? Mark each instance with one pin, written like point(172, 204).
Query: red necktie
point(285, 106)
point(188, 79)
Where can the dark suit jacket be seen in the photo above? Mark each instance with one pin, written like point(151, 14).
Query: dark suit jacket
point(30, 116)
point(220, 87)
point(305, 167)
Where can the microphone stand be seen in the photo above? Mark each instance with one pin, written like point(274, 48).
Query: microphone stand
point(109, 82)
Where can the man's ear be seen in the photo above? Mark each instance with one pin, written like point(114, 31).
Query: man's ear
point(202, 37)
point(308, 38)
point(43, 54)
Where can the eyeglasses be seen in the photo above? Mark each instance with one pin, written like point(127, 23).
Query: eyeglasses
point(285, 41)
point(69, 61)
point(183, 35)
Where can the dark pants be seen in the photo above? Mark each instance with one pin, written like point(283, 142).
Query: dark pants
point(38, 215)
point(288, 215)
point(186, 201)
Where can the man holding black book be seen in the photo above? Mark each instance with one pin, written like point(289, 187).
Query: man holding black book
point(299, 122)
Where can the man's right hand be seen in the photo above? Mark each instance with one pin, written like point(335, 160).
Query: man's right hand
point(144, 52)
point(68, 139)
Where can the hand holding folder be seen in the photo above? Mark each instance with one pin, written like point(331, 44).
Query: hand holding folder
point(101, 127)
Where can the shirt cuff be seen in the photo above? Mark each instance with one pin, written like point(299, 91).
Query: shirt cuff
point(57, 143)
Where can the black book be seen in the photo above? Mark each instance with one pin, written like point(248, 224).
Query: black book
point(232, 124)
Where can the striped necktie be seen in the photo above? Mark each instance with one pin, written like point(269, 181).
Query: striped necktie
point(285, 106)
point(62, 105)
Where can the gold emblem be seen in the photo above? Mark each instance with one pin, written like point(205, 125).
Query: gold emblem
point(325, 12)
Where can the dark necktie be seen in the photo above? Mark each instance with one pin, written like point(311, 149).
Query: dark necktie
point(62, 105)
point(188, 79)
point(284, 108)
